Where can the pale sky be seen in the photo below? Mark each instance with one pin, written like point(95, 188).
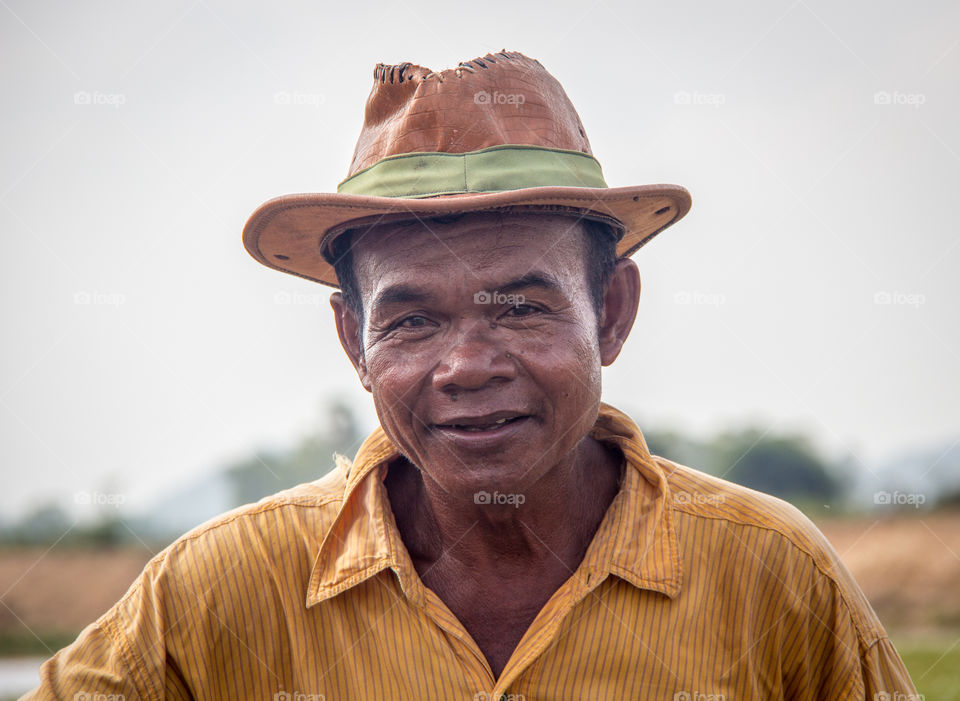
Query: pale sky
point(812, 286)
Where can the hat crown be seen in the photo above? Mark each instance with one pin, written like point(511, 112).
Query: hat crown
point(497, 133)
point(500, 98)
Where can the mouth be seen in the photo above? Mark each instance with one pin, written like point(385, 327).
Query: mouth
point(481, 428)
point(487, 424)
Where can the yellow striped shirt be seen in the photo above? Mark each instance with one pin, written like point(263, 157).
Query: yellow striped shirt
point(693, 589)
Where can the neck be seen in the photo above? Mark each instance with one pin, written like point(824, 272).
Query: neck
point(553, 525)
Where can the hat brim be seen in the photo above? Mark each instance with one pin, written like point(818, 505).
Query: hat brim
point(289, 233)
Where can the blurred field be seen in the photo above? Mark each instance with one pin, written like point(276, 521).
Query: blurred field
point(934, 663)
point(909, 568)
point(908, 565)
point(50, 596)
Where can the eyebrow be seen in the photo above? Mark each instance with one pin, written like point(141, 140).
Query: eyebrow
point(534, 278)
point(403, 293)
point(399, 294)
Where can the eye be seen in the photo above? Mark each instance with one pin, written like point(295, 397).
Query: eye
point(412, 322)
point(522, 310)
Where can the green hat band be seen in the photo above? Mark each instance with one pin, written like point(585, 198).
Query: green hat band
point(493, 169)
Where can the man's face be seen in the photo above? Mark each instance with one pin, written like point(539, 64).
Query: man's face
point(480, 345)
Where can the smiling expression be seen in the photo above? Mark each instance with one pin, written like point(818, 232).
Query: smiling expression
point(480, 345)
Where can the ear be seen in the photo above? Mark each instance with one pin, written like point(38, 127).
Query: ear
point(619, 309)
point(351, 336)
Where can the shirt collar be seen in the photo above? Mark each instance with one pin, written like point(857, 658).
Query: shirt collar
point(636, 540)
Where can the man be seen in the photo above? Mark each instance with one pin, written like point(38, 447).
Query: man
point(504, 534)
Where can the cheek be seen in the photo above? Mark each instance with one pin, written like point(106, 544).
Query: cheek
point(395, 388)
point(568, 360)
point(395, 384)
point(582, 384)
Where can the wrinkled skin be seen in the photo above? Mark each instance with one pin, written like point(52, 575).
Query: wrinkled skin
point(443, 368)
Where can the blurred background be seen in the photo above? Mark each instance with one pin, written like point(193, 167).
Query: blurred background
point(797, 331)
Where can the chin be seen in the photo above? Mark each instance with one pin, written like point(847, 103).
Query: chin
point(511, 474)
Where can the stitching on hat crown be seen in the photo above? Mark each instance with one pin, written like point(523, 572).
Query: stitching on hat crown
point(383, 72)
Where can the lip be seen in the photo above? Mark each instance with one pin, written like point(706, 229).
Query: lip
point(479, 419)
point(468, 439)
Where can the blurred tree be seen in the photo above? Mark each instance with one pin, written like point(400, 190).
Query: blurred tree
point(783, 465)
point(45, 524)
point(269, 472)
point(681, 448)
point(949, 500)
point(107, 531)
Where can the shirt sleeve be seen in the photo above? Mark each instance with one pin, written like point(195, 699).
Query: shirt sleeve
point(828, 641)
point(885, 677)
point(93, 666)
point(838, 647)
point(120, 656)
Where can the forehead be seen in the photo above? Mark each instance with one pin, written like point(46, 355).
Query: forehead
point(477, 245)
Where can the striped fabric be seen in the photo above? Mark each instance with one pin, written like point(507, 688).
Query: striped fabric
point(693, 589)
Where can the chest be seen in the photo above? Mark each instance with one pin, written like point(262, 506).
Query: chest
point(496, 612)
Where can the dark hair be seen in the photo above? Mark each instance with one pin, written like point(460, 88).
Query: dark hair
point(601, 257)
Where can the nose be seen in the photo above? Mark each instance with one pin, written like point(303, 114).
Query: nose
point(474, 359)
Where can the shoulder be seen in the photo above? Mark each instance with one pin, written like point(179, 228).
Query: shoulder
point(203, 601)
point(305, 505)
point(274, 540)
point(766, 536)
point(305, 510)
point(697, 495)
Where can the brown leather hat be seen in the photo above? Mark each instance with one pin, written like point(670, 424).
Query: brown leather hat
point(494, 133)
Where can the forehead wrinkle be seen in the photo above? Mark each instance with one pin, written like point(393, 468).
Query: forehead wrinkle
point(443, 245)
point(442, 241)
point(506, 241)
